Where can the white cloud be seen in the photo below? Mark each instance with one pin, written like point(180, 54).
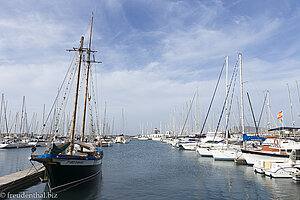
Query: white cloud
point(147, 71)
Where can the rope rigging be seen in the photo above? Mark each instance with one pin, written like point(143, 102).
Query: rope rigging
point(213, 97)
point(223, 108)
point(230, 105)
point(56, 98)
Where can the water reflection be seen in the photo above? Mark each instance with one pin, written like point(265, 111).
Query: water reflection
point(12, 160)
point(226, 180)
point(153, 170)
point(87, 190)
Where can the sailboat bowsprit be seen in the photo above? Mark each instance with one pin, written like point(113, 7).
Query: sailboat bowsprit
point(74, 161)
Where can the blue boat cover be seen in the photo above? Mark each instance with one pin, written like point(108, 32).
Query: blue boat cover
point(253, 138)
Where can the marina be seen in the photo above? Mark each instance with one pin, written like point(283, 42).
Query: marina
point(149, 100)
point(151, 169)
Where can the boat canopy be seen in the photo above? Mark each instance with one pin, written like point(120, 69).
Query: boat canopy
point(57, 150)
point(253, 138)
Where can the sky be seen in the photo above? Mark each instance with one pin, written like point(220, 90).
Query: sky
point(154, 55)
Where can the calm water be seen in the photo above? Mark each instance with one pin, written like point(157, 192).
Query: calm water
point(153, 170)
point(12, 160)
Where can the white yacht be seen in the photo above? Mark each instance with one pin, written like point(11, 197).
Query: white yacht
point(280, 169)
point(209, 143)
point(273, 149)
point(227, 153)
point(143, 138)
point(106, 143)
point(190, 146)
point(121, 139)
point(188, 143)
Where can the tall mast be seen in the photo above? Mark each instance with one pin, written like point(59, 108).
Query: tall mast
point(76, 95)
point(298, 90)
point(87, 81)
point(242, 99)
point(160, 131)
point(197, 112)
point(124, 121)
point(2, 100)
point(88, 61)
point(293, 122)
point(43, 116)
point(104, 121)
point(22, 116)
point(226, 109)
point(269, 110)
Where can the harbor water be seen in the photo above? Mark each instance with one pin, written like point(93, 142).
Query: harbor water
point(154, 170)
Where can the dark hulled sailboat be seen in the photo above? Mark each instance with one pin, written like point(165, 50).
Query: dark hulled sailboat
point(74, 161)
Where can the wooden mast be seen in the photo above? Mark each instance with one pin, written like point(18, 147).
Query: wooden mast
point(76, 95)
point(87, 81)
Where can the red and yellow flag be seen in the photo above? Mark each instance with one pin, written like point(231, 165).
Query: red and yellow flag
point(280, 115)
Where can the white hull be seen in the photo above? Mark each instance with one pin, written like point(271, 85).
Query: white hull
point(122, 140)
point(251, 159)
point(143, 138)
point(190, 146)
point(225, 154)
point(13, 145)
point(2, 146)
point(204, 151)
point(156, 138)
point(281, 171)
point(106, 144)
point(37, 144)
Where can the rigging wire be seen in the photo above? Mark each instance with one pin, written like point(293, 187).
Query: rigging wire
point(231, 100)
point(212, 99)
point(187, 115)
point(233, 74)
point(56, 98)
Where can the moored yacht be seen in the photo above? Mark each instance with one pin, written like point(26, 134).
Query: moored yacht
point(73, 162)
point(273, 149)
point(209, 143)
point(143, 137)
point(280, 169)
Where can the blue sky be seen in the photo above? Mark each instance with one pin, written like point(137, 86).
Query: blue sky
point(154, 53)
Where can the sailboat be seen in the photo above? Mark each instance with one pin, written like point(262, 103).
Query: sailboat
point(122, 139)
point(228, 152)
point(73, 162)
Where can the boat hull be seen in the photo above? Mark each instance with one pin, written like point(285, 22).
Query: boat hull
point(281, 172)
point(226, 154)
point(190, 146)
point(254, 156)
point(65, 173)
point(204, 152)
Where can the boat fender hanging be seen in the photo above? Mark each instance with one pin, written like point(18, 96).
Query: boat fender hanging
point(276, 142)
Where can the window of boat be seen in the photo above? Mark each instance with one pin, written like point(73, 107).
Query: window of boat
point(297, 154)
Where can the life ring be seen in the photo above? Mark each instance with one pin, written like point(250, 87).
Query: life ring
point(276, 142)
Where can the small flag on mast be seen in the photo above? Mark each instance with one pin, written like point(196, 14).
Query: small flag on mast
point(280, 116)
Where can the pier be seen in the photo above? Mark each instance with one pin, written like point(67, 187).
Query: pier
point(22, 178)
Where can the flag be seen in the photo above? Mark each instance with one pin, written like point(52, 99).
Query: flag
point(280, 115)
point(280, 120)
